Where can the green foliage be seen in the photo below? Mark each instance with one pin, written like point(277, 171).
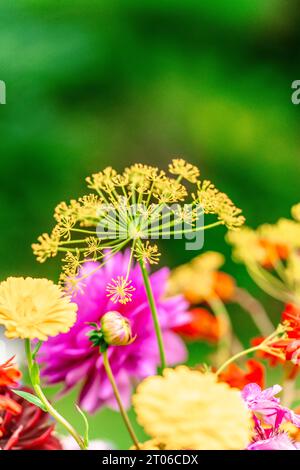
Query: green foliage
point(99, 83)
point(31, 398)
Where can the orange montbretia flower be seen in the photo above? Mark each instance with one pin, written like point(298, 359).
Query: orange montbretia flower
point(273, 252)
point(203, 325)
point(238, 378)
point(9, 373)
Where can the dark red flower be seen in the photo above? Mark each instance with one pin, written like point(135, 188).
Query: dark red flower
point(24, 426)
point(238, 378)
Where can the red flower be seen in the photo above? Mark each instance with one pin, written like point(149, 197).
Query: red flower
point(278, 348)
point(292, 352)
point(202, 326)
point(291, 316)
point(23, 426)
point(288, 348)
point(238, 378)
point(9, 373)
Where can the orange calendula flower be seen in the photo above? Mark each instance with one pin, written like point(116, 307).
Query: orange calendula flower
point(201, 281)
point(238, 378)
point(203, 325)
point(224, 286)
point(272, 253)
point(9, 373)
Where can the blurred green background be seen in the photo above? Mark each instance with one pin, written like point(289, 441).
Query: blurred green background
point(109, 82)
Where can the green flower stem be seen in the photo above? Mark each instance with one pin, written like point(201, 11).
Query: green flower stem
point(255, 311)
point(118, 398)
point(288, 385)
point(235, 357)
point(192, 230)
point(35, 380)
point(225, 342)
point(152, 305)
point(267, 341)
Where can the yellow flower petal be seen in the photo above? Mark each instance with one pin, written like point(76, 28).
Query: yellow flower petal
point(34, 308)
point(186, 409)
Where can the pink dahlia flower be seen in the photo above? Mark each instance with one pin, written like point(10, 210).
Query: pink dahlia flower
point(70, 358)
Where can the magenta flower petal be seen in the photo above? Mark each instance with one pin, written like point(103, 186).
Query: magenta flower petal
point(271, 412)
point(70, 358)
point(278, 442)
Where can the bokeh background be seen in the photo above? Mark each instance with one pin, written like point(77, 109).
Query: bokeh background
point(110, 82)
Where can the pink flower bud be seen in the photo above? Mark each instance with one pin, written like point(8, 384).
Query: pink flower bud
point(116, 329)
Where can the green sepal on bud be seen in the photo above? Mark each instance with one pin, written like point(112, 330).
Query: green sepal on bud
point(96, 337)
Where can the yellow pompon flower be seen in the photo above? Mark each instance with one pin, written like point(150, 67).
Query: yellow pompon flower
point(152, 444)
point(34, 308)
point(188, 409)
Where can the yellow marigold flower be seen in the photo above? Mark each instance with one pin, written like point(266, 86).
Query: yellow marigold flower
point(34, 308)
point(186, 409)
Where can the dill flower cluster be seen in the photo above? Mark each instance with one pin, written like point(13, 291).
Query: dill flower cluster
point(129, 209)
point(188, 409)
point(271, 255)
